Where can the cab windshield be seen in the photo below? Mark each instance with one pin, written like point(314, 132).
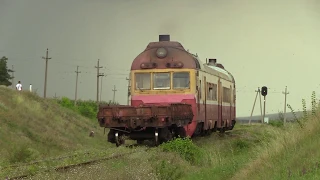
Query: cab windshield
point(162, 80)
point(181, 80)
point(143, 81)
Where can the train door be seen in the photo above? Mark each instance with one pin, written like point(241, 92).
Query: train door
point(231, 100)
point(205, 100)
point(199, 90)
point(220, 103)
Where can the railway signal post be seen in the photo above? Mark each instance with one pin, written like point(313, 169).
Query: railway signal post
point(264, 92)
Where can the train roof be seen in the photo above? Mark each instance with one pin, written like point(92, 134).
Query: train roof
point(188, 59)
point(214, 68)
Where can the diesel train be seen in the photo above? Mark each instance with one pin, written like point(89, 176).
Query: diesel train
point(172, 94)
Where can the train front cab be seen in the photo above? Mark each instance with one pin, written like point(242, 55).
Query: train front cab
point(165, 86)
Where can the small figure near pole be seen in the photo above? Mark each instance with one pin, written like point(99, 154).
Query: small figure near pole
point(19, 86)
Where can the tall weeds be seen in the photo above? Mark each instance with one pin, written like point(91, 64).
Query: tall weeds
point(86, 108)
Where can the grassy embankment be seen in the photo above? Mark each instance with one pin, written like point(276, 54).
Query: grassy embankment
point(33, 128)
point(249, 152)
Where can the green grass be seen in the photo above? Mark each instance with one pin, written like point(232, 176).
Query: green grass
point(33, 128)
point(36, 129)
point(87, 108)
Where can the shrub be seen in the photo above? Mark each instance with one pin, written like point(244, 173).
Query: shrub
point(276, 123)
point(87, 108)
point(185, 148)
point(240, 144)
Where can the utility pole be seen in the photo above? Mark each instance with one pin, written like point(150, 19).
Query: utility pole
point(114, 93)
point(260, 104)
point(98, 75)
point(257, 92)
point(129, 87)
point(45, 80)
point(76, 93)
point(101, 84)
point(285, 105)
point(12, 77)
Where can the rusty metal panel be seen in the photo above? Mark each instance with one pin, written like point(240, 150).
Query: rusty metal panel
point(146, 115)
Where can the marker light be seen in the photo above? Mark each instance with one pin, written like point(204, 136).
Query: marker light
point(161, 52)
point(148, 65)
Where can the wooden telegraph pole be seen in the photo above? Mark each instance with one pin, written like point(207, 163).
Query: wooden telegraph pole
point(102, 75)
point(128, 79)
point(98, 75)
point(45, 79)
point(114, 93)
point(257, 92)
point(260, 104)
point(76, 93)
point(285, 105)
point(12, 78)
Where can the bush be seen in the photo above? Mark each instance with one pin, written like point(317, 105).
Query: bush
point(185, 148)
point(88, 108)
point(276, 123)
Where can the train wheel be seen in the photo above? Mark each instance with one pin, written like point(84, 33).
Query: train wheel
point(119, 139)
point(111, 136)
point(165, 135)
point(156, 138)
point(180, 131)
point(139, 141)
point(222, 130)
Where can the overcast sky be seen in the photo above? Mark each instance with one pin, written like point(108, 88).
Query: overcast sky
point(261, 42)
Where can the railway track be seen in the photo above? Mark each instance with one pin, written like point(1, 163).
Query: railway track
point(41, 161)
point(85, 163)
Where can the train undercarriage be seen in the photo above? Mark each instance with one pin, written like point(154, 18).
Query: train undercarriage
point(158, 123)
point(155, 135)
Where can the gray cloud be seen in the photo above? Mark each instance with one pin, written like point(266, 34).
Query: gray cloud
point(272, 43)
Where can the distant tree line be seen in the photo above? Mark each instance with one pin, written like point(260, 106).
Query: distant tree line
point(4, 72)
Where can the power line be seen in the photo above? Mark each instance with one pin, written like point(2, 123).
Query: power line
point(75, 98)
point(45, 80)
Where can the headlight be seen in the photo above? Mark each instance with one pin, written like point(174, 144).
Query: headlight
point(161, 52)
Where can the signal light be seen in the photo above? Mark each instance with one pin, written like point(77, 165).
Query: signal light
point(264, 91)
